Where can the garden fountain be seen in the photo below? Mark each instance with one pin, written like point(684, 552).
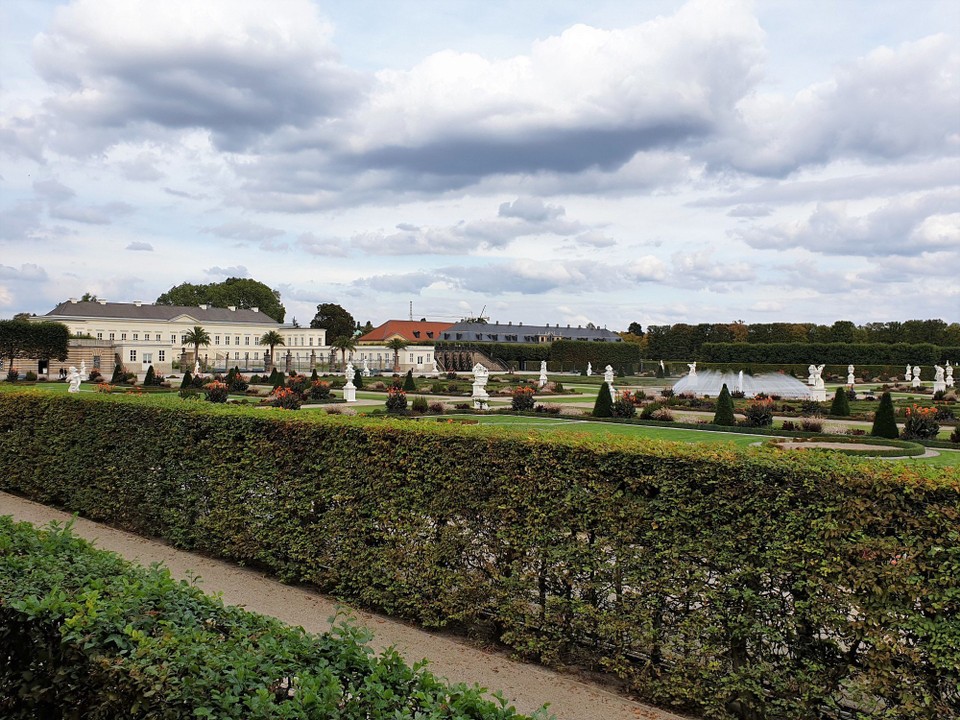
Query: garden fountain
point(709, 382)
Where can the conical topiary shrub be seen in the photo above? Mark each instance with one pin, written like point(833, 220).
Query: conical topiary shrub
point(358, 379)
point(187, 380)
point(150, 378)
point(313, 376)
point(841, 405)
point(118, 375)
point(885, 422)
point(603, 407)
point(724, 414)
point(408, 384)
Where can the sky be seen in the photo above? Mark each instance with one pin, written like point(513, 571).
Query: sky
point(566, 162)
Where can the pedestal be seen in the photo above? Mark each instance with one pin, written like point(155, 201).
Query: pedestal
point(939, 386)
point(350, 392)
point(916, 383)
point(818, 394)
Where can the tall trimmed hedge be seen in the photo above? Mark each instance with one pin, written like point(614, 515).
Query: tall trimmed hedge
point(830, 353)
point(84, 634)
point(600, 354)
point(727, 583)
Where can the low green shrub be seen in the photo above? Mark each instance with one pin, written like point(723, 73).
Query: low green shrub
point(396, 400)
point(85, 634)
point(419, 404)
point(216, 392)
point(522, 399)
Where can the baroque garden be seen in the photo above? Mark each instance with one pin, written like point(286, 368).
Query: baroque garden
point(743, 530)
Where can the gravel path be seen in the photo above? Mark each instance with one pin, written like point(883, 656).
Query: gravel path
point(526, 686)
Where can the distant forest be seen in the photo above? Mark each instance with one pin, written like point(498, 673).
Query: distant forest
point(684, 341)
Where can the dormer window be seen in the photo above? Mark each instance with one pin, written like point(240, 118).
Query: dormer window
point(416, 333)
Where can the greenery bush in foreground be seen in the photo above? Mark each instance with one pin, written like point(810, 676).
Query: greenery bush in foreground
point(85, 634)
point(720, 582)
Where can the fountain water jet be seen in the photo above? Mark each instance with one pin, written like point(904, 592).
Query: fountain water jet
point(709, 382)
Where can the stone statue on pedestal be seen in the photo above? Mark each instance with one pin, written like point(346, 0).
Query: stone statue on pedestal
point(74, 377)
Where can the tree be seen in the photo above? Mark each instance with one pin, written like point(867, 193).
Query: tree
point(243, 293)
point(343, 343)
point(358, 379)
point(396, 344)
point(87, 297)
point(841, 405)
point(724, 413)
point(150, 378)
point(197, 336)
point(271, 338)
point(41, 340)
point(885, 422)
point(408, 383)
point(635, 328)
point(186, 382)
point(335, 320)
point(603, 407)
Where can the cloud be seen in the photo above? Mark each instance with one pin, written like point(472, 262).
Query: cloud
point(184, 194)
point(232, 271)
point(92, 215)
point(53, 191)
point(530, 209)
point(750, 211)
point(27, 272)
point(244, 230)
point(143, 168)
point(401, 283)
point(121, 65)
point(21, 222)
point(869, 109)
point(315, 245)
point(704, 270)
point(901, 227)
point(140, 246)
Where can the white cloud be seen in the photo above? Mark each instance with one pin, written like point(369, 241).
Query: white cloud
point(140, 246)
point(244, 230)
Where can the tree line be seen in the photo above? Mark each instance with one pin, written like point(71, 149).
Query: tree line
point(682, 340)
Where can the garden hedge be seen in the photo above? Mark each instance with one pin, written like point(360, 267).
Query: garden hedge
point(895, 354)
point(84, 634)
point(722, 582)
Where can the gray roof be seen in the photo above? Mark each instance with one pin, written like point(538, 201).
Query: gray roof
point(148, 311)
point(519, 333)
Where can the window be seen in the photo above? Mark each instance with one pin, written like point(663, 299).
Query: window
point(183, 340)
point(411, 357)
point(173, 339)
point(133, 356)
point(162, 355)
point(256, 355)
point(147, 357)
point(226, 339)
point(246, 339)
point(311, 341)
point(238, 340)
point(158, 337)
point(123, 336)
point(96, 361)
point(111, 336)
point(236, 356)
point(216, 339)
point(99, 336)
point(136, 336)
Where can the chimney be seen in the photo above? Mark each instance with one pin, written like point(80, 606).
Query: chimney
point(138, 303)
point(232, 308)
point(73, 300)
point(255, 309)
point(102, 301)
point(203, 306)
point(509, 322)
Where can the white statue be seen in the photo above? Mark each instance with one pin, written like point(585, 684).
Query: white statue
point(811, 375)
point(949, 379)
point(916, 377)
point(906, 375)
point(83, 368)
point(74, 377)
point(543, 373)
point(589, 369)
point(693, 369)
point(480, 377)
point(349, 389)
point(608, 376)
point(436, 366)
point(480, 371)
point(196, 367)
point(366, 369)
point(851, 380)
point(938, 374)
point(818, 377)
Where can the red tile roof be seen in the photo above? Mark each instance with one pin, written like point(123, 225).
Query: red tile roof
point(413, 331)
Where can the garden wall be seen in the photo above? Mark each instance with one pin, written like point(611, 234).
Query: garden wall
point(755, 585)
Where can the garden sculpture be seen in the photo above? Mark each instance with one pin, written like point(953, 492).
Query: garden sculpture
point(693, 369)
point(850, 379)
point(74, 377)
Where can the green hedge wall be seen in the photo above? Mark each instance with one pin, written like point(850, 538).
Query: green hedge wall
point(730, 584)
point(83, 634)
point(601, 354)
point(831, 353)
point(505, 352)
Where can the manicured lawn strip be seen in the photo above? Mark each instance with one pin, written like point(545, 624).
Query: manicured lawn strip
point(702, 575)
point(84, 632)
